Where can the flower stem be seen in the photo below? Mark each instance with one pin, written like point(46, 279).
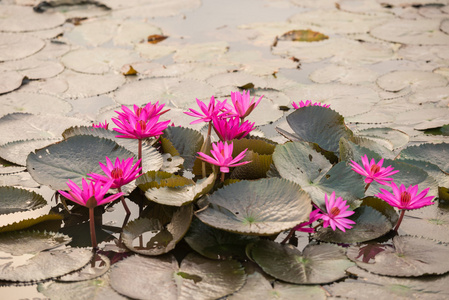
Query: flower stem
point(222, 178)
point(93, 236)
point(400, 220)
point(125, 206)
point(139, 155)
point(290, 234)
point(367, 186)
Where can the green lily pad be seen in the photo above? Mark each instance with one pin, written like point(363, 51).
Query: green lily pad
point(437, 154)
point(369, 224)
point(263, 207)
point(316, 264)
point(94, 289)
point(352, 151)
point(407, 175)
point(72, 159)
point(257, 168)
point(24, 223)
point(30, 242)
point(300, 163)
point(152, 159)
point(197, 278)
point(396, 137)
point(100, 267)
point(186, 141)
point(431, 169)
point(158, 239)
point(14, 200)
point(215, 243)
point(319, 125)
point(16, 152)
point(408, 257)
point(384, 149)
point(169, 189)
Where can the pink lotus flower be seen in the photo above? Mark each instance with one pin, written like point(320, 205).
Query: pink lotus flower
point(207, 112)
point(407, 199)
point(229, 129)
point(120, 173)
point(222, 156)
point(373, 171)
point(101, 125)
point(132, 128)
point(91, 195)
point(309, 103)
point(243, 105)
point(314, 216)
point(142, 113)
point(336, 214)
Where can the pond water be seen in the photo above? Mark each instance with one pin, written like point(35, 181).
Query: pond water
point(383, 67)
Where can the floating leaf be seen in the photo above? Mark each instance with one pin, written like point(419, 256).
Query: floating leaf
point(10, 81)
point(215, 243)
point(319, 125)
point(257, 168)
point(156, 38)
point(408, 256)
point(72, 159)
point(186, 141)
point(169, 189)
point(17, 46)
point(17, 18)
point(300, 163)
point(152, 158)
point(263, 207)
point(26, 223)
point(437, 154)
point(303, 36)
point(258, 287)
point(369, 224)
point(197, 278)
point(351, 151)
point(14, 200)
point(90, 271)
point(416, 80)
point(316, 264)
point(94, 289)
point(16, 152)
point(35, 103)
point(156, 238)
point(30, 242)
point(396, 137)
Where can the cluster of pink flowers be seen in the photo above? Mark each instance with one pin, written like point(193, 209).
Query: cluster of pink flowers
point(308, 103)
point(228, 122)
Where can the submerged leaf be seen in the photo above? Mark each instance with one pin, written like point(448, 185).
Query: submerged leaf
point(303, 36)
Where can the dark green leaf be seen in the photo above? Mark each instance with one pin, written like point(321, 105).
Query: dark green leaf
point(14, 200)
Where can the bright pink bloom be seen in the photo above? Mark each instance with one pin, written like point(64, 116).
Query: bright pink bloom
point(120, 173)
point(222, 156)
point(101, 125)
point(243, 105)
point(229, 129)
point(207, 112)
point(142, 113)
point(309, 103)
point(336, 214)
point(314, 216)
point(95, 190)
point(373, 171)
point(403, 198)
point(132, 128)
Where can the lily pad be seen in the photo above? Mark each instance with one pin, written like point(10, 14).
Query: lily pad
point(303, 36)
point(301, 164)
point(17, 46)
point(94, 289)
point(55, 164)
point(158, 238)
point(10, 81)
point(396, 137)
point(30, 242)
point(316, 264)
point(263, 207)
point(415, 80)
point(17, 152)
point(408, 257)
point(169, 189)
point(35, 103)
point(201, 52)
point(215, 243)
point(14, 18)
point(437, 154)
point(197, 278)
point(187, 143)
point(100, 267)
point(258, 287)
point(14, 200)
point(319, 125)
